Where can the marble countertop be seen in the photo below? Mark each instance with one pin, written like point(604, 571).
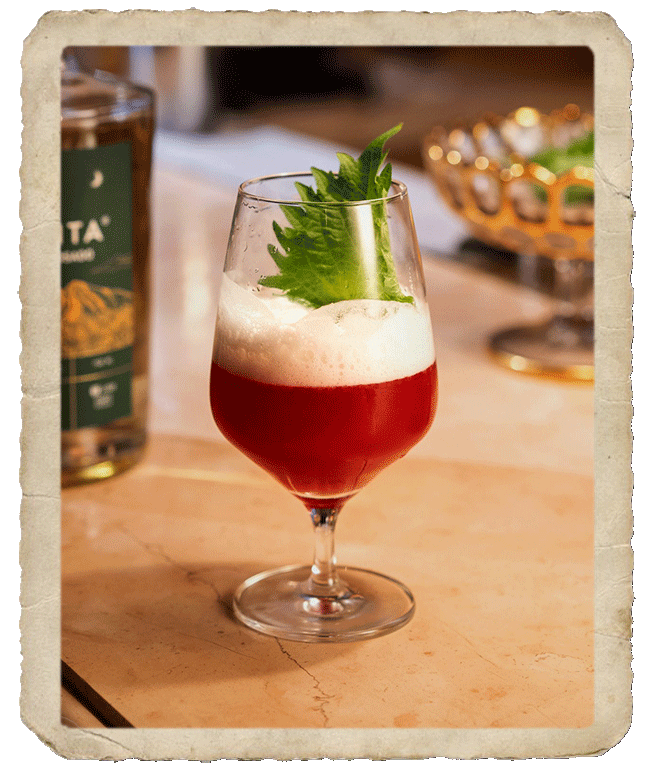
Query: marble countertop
point(489, 520)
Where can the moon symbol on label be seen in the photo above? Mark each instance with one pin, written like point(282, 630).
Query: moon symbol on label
point(98, 179)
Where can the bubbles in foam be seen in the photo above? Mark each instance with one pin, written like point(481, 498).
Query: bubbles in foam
point(275, 340)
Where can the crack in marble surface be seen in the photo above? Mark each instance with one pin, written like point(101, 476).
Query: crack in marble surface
point(323, 697)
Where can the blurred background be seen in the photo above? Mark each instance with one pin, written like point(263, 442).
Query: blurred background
point(227, 114)
point(348, 95)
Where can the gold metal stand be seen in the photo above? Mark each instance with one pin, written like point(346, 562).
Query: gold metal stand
point(484, 174)
point(558, 349)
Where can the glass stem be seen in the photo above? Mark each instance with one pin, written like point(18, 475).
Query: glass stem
point(324, 568)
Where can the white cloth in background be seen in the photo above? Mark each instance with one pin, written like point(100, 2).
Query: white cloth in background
point(229, 158)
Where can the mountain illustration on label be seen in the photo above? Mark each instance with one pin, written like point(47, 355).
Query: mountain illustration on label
point(95, 319)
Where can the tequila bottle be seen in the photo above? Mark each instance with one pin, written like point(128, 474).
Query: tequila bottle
point(106, 148)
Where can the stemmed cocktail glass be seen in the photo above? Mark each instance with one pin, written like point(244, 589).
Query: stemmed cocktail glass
point(325, 396)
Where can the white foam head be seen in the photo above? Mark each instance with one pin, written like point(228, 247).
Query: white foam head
point(274, 340)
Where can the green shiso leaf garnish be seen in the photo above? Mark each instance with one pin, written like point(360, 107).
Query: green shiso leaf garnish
point(318, 255)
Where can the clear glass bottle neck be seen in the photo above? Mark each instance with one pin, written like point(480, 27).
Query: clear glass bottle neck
point(100, 96)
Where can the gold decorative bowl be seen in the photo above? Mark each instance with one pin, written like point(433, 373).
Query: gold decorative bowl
point(485, 173)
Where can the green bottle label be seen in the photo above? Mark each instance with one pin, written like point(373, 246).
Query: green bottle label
point(97, 313)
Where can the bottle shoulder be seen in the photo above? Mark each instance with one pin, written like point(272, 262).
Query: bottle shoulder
point(101, 97)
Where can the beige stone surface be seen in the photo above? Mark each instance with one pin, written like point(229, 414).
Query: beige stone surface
point(499, 560)
point(489, 520)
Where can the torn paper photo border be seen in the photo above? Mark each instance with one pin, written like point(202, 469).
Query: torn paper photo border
point(40, 362)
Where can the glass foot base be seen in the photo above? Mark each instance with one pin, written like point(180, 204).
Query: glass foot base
point(282, 603)
point(562, 348)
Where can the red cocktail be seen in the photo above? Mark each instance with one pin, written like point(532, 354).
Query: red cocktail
point(323, 443)
point(324, 373)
